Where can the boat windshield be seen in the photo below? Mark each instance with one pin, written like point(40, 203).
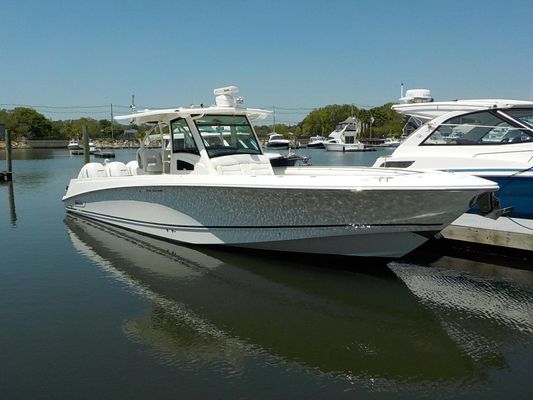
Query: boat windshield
point(479, 128)
point(525, 116)
point(227, 134)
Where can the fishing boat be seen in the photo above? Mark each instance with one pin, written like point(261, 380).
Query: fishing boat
point(492, 139)
point(211, 184)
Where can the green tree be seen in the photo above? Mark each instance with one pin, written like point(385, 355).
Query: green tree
point(27, 122)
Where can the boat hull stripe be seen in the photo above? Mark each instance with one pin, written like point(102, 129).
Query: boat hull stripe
point(171, 226)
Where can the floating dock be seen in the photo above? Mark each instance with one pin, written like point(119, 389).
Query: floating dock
point(104, 154)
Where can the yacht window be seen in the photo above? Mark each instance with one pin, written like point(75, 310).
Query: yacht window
point(478, 128)
point(524, 116)
point(182, 140)
point(227, 134)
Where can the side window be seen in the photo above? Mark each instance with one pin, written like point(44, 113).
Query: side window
point(474, 129)
point(182, 139)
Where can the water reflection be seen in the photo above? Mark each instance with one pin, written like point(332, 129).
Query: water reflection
point(487, 309)
point(420, 327)
point(11, 202)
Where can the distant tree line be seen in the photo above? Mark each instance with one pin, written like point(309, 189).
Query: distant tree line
point(26, 122)
point(378, 121)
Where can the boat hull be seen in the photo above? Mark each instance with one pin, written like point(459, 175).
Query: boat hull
point(344, 147)
point(278, 145)
point(360, 225)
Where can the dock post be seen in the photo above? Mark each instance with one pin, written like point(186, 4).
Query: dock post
point(7, 176)
point(86, 155)
point(9, 163)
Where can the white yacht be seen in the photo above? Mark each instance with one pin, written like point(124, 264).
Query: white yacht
point(490, 138)
point(344, 137)
point(277, 141)
point(317, 142)
point(74, 144)
point(210, 183)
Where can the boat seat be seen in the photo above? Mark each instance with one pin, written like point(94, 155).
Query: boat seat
point(242, 164)
point(150, 161)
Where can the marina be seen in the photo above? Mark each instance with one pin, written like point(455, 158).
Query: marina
point(112, 306)
point(353, 220)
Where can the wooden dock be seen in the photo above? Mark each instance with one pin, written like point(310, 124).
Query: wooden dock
point(104, 153)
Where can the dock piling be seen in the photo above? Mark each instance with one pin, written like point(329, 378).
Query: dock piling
point(7, 175)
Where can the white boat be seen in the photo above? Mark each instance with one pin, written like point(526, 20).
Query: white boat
point(490, 138)
point(74, 144)
point(277, 141)
point(344, 137)
point(317, 142)
point(210, 183)
point(390, 142)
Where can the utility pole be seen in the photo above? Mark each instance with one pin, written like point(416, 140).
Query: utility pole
point(274, 118)
point(112, 135)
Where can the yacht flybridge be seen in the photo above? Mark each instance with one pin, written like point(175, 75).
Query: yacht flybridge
point(208, 182)
point(490, 138)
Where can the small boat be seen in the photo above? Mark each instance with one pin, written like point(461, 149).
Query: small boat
point(344, 137)
point(287, 160)
point(389, 142)
point(76, 147)
point(277, 141)
point(488, 138)
point(317, 142)
point(74, 144)
point(210, 183)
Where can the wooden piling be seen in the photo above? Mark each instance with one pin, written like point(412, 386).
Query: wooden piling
point(9, 163)
point(86, 155)
point(7, 176)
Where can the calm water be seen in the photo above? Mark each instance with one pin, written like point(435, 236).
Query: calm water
point(88, 311)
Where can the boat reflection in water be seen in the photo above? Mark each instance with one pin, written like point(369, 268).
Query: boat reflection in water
point(380, 332)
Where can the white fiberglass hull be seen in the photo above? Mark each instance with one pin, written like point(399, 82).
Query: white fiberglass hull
point(344, 146)
point(282, 217)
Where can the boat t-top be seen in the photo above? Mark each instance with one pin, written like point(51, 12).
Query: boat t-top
point(207, 182)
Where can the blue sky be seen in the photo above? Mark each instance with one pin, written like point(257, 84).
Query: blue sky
point(292, 54)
